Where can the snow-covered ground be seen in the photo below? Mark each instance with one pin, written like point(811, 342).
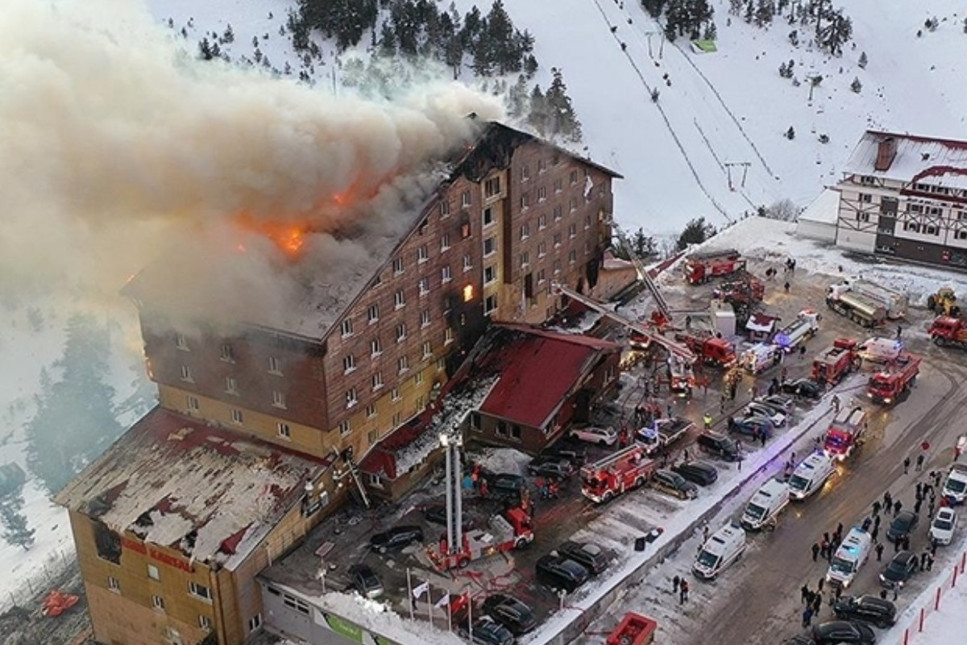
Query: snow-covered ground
point(945, 626)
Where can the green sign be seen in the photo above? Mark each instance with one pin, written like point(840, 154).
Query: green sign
point(347, 629)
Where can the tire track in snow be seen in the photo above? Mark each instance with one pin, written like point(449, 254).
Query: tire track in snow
point(671, 130)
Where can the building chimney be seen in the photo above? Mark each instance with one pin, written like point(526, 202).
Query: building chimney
point(885, 153)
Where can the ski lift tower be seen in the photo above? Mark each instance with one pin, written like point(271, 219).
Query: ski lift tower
point(453, 480)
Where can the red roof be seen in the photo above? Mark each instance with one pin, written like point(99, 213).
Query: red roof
point(537, 371)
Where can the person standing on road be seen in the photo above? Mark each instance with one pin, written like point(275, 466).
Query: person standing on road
point(835, 401)
point(683, 592)
point(816, 550)
point(876, 508)
point(821, 582)
point(879, 551)
point(920, 462)
point(707, 421)
point(676, 581)
point(897, 505)
point(807, 617)
point(802, 352)
point(906, 465)
point(804, 590)
point(887, 502)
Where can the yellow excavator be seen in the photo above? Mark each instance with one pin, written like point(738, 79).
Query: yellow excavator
point(944, 302)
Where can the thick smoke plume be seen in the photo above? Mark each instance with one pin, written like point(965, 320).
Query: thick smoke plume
point(119, 147)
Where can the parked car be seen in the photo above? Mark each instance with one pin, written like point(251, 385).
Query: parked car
point(560, 572)
point(505, 485)
point(600, 436)
point(396, 538)
point(669, 481)
point(698, 472)
point(780, 402)
point(575, 454)
point(437, 514)
point(588, 554)
point(719, 445)
point(836, 632)
point(943, 526)
point(550, 467)
point(902, 526)
point(903, 565)
point(761, 410)
point(804, 388)
point(487, 631)
point(365, 581)
point(513, 613)
point(868, 609)
point(752, 426)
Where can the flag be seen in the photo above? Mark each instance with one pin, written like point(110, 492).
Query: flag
point(443, 602)
point(419, 590)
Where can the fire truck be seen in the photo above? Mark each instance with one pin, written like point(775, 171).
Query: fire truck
point(857, 307)
point(711, 350)
point(622, 471)
point(947, 331)
point(703, 266)
point(747, 290)
point(798, 331)
point(845, 433)
point(835, 362)
point(511, 530)
point(890, 384)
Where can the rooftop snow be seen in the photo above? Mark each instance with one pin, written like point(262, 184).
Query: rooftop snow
point(942, 160)
point(824, 208)
point(188, 477)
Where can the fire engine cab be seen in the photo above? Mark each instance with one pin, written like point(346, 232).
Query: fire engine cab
point(505, 532)
point(888, 385)
point(835, 362)
point(624, 470)
point(703, 266)
point(845, 433)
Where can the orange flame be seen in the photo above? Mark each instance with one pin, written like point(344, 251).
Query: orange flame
point(289, 237)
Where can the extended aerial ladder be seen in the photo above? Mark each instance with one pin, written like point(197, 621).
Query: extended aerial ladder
point(643, 274)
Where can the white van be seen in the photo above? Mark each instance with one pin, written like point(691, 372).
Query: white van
point(764, 507)
point(810, 475)
point(724, 547)
point(852, 554)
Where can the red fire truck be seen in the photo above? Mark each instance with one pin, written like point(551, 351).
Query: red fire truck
point(511, 530)
point(625, 470)
point(835, 362)
point(845, 433)
point(949, 331)
point(896, 379)
point(703, 266)
point(711, 350)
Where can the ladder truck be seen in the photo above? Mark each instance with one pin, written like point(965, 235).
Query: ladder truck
point(622, 471)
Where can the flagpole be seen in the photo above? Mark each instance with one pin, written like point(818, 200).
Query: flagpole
point(409, 592)
point(429, 604)
point(470, 615)
point(449, 616)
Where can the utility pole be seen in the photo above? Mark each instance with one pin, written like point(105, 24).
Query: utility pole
point(745, 171)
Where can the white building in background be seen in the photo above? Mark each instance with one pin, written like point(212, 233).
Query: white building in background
point(818, 220)
point(905, 196)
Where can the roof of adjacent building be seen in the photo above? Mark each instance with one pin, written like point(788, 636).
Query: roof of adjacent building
point(537, 370)
point(824, 209)
point(320, 290)
point(941, 162)
point(173, 480)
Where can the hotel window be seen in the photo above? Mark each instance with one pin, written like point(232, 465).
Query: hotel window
point(113, 584)
point(425, 318)
point(587, 222)
point(351, 398)
point(490, 305)
point(557, 240)
point(572, 256)
point(490, 274)
point(400, 332)
point(445, 274)
point(488, 217)
point(444, 209)
point(399, 300)
point(525, 231)
point(541, 193)
point(205, 623)
point(540, 276)
point(370, 412)
point(525, 259)
point(865, 179)
point(541, 165)
point(445, 242)
point(557, 267)
point(915, 208)
point(284, 430)
point(427, 349)
point(278, 399)
point(525, 201)
point(153, 572)
point(862, 217)
point(422, 255)
point(541, 222)
point(541, 249)
point(372, 314)
point(158, 603)
point(572, 231)
point(402, 364)
point(275, 365)
point(237, 417)
point(962, 234)
point(465, 199)
point(181, 342)
point(186, 374)
point(492, 187)
point(525, 172)
point(397, 266)
point(199, 591)
point(231, 385)
point(193, 404)
point(573, 177)
point(418, 380)
point(572, 204)
point(397, 419)
point(344, 427)
point(424, 286)
point(396, 396)
point(346, 327)
point(558, 185)
point(448, 336)
point(465, 230)
point(375, 347)
point(866, 198)
point(228, 354)
point(348, 363)
point(490, 246)
point(377, 381)
point(467, 263)
point(558, 213)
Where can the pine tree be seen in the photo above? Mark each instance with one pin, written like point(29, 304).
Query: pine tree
point(862, 61)
point(696, 232)
point(229, 36)
point(17, 532)
point(537, 116)
point(563, 120)
point(856, 86)
point(790, 133)
point(387, 41)
point(205, 49)
point(653, 7)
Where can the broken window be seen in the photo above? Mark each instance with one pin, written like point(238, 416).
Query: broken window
point(107, 543)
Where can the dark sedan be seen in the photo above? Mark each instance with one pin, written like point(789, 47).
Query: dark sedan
point(752, 426)
point(506, 485)
point(902, 526)
point(805, 388)
point(836, 632)
point(903, 565)
point(869, 609)
point(550, 467)
point(487, 631)
point(512, 613)
point(587, 554)
point(674, 484)
point(396, 538)
point(698, 472)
